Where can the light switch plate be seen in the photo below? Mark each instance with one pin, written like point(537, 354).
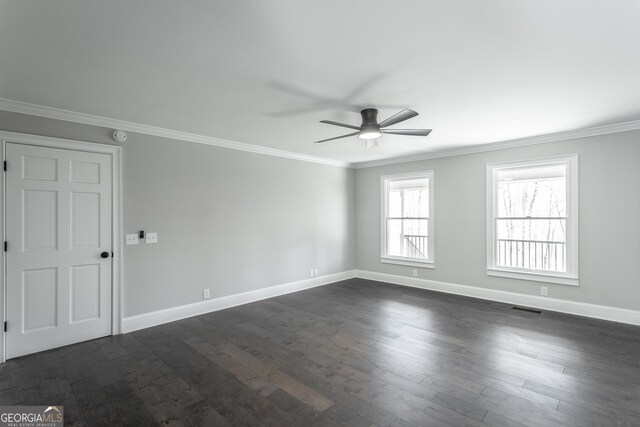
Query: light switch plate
point(132, 239)
point(152, 238)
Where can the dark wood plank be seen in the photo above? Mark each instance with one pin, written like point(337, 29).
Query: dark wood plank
point(355, 353)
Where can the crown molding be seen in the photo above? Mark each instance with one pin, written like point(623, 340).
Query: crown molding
point(513, 143)
point(90, 119)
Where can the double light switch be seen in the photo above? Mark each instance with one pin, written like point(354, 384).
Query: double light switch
point(133, 239)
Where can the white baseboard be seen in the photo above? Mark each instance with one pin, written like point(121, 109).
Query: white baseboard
point(595, 311)
point(147, 320)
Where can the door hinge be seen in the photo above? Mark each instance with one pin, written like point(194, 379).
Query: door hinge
point(5, 326)
point(5, 165)
point(5, 245)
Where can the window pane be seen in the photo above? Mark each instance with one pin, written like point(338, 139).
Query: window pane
point(531, 229)
point(407, 238)
point(533, 244)
point(532, 255)
point(394, 203)
point(535, 191)
point(400, 184)
point(408, 198)
point(416, 203)
point(406, 222)
point(531, 222)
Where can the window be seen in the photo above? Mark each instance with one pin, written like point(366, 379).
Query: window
point(533, 220)
point(407, 219)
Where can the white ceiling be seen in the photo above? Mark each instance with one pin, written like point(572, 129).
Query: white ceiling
point(265, 72)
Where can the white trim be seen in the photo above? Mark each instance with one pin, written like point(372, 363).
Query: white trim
point(536, 277)
point(118, 245)
point(3, 294)
point(90, 119)
point(155, 318)
point(384, 190)
point(402, 261)
point(501, 145)
point(116, 156)
point(572, 243)
point(594, 311)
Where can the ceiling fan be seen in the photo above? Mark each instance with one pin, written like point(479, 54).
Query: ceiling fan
point(371, 129)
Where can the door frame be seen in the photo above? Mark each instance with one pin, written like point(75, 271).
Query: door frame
point(116, 218)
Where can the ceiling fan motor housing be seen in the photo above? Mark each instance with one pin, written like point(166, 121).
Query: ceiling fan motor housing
point(369, 117)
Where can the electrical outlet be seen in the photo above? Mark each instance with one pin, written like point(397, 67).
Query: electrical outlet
point(311, 273)
point(544, 291)
point(205, 294)
point(151, 238)
point(131, 239)
point(315, 272)
point(415, 273)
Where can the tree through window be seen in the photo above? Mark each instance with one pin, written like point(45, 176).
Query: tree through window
point(407, 218)
point(531, 216)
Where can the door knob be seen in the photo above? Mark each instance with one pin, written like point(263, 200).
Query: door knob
point(104, 254)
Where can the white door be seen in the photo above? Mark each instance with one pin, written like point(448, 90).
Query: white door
point(58, 213)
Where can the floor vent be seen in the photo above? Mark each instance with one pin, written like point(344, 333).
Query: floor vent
point(530, 310)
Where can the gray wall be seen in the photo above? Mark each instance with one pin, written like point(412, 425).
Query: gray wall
point(219, 227)
point(227, 220)
point(609, 208)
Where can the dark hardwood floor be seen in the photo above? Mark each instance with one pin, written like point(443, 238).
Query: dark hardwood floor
point(356, 353)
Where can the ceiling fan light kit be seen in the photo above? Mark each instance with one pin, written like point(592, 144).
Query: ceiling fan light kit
point(370, 129)
point(370, 133)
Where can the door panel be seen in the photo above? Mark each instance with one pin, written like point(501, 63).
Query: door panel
point(83, 172)
point(85, 220)
point(40, 168)
point(85, 292)
point(40, 220)
point(39, 299)
point(58, 205)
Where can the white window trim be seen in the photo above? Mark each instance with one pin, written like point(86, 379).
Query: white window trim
point(412, 262)
point(571, 276)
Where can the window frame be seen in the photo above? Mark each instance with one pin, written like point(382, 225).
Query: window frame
point(570, 277)
point(412, 262)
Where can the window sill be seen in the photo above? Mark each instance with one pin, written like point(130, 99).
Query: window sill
point(410, 263)
point(536, 277)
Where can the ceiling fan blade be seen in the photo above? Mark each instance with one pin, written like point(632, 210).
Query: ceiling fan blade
point(410, 132)
point(337, 137)
point(398, 117)
point(344, 125)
